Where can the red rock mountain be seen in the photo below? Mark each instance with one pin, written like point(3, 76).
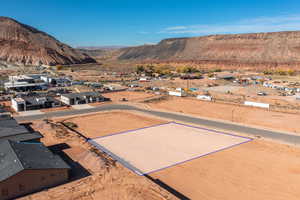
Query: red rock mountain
point(24, 45)
point(272, 49)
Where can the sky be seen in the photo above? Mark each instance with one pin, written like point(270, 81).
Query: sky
point(138, 22)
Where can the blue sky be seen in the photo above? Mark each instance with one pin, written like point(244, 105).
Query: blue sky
point(136, 22)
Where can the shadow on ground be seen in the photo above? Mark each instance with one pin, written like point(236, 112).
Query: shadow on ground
point(77, 170)
point(168, 188)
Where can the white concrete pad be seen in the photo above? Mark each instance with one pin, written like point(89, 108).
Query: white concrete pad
point(82, 106)
point(30, 112)
point(154, 148)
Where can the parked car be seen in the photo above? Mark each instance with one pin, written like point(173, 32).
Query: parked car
point(262, 94)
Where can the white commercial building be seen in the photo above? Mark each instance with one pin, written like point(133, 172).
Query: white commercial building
point(177, 93)
point(257, 104)
point(204, 97)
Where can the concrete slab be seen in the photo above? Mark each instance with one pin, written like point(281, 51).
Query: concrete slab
point(157, 147)
point(30, 112)
point(82, 106)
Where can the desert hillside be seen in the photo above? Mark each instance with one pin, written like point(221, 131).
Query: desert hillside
point(25, 45)
point(275, 48)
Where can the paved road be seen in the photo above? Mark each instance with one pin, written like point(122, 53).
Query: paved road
point(293, 139)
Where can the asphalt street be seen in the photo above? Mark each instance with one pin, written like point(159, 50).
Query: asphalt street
point(292, 139)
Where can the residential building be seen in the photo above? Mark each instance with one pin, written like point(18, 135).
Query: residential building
point(177, 93)
point(82, 98)
point(11, 130)
point(114, 87)
point(25, 83)
point(144, 79)
point(33, 103)
point(24, 86)
point(26, 168)
point(57, 81)
point(4, 114)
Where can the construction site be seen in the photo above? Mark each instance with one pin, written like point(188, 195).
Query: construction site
point(146, 157)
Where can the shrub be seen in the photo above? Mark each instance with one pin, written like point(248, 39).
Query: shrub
point(291, 72)
point(71, 124)
point(59, 67)
point(187, 69)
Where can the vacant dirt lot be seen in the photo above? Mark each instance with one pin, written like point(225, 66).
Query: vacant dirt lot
point(129, 95)
point(239, 114)
point(255, 170)
point(94, 175)
point(157, 147)
point(101, 124)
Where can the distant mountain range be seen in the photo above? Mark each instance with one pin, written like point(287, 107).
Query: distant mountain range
point(24, 45)
point(271, 49)
point(112, 47)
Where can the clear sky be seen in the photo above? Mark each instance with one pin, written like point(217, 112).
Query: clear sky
point(136, 22)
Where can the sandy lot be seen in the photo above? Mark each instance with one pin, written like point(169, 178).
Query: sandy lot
point(255, 170)
point(157, 147)
point(101, 124)
point(239, 114)
point(96, 177)
point(129, 95)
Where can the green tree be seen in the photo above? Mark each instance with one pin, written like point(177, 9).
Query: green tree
point(140, 69)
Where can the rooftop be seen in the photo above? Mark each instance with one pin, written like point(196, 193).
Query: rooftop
point(38, 100)
point(10, 129)
point(82, 94)
point(35, 100)
point(15, 157)
point(22, 84)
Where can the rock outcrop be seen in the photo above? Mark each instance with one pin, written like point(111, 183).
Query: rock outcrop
point(256, 48)
point(24, 45)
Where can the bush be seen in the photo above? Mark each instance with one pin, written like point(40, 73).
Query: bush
point(210, 75)
point(187, 69)
point(291, 72)
point(140, 69)
point(215, 70)
point(59, 67)
point(268, 72)
point(280, 72)
point(71, 125)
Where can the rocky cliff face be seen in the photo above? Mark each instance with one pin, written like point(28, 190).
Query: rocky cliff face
point(24, 45)
point(275, 48)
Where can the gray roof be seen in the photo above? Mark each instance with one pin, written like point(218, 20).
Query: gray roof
point(34, 100)
point(24, 137)
point(10, 129)
point(226, 76)
point(4, 115)
point(82, 94)
point(16, 157)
